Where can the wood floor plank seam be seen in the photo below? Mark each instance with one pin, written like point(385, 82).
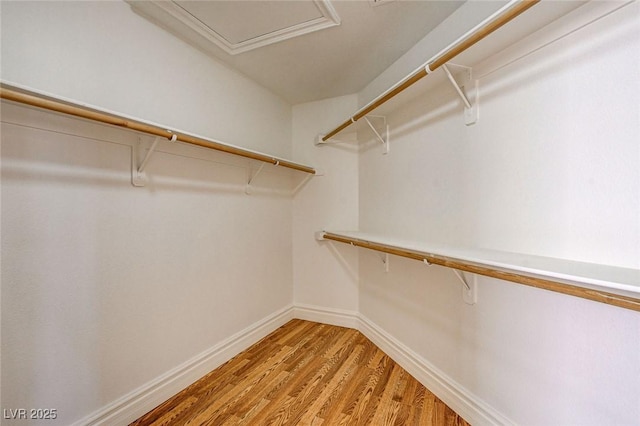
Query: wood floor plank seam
point(305, 373)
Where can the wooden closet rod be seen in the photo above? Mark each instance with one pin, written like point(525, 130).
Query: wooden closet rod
point(558, 287)
point(450, 53)
point(115, 120)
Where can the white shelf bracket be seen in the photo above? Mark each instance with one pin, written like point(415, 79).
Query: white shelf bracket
point(137, 179)
point(383, 136)
point(248, 190)
point(138, 176)
point(385, 261)
point(466, 88)
point(461, 278)
point(302, 183)
point(469, 288)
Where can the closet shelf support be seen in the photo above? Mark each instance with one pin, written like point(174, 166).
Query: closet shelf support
point(384, 137)
point(467, 90)
point(247, 189)
point(461, 278)
point(454, 83)
point(138, 177)
point(147, 157)
point(469, 289)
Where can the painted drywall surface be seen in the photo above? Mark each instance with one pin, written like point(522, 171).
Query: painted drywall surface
point(103, 54)
point(106, 287)
point(325, 274)
point(551, 168)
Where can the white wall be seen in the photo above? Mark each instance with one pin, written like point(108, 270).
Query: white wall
point(102, 53)
point(552, 168)
point(325, 275)
point(106, 287)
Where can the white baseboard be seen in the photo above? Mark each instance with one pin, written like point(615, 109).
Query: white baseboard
point(131, 406)
point(138, 402)
point(463, 402)
point(339, 317)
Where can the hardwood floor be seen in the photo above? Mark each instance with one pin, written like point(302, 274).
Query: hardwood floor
point(306, 373)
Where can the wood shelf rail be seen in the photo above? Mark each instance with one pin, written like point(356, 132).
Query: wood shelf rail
point(11, 94)
point(506, 15)
point(552, 280)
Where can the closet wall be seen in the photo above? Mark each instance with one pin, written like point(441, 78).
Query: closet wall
point(107, 287)
point(325, 276)
point(551, 168)
point(106, 55)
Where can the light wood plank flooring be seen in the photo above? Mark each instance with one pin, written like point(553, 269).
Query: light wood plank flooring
point(306, 373)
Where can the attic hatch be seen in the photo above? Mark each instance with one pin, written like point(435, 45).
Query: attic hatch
point(241, 26)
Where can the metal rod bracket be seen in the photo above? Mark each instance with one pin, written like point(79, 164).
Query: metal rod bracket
point(383, 134)
point(302, 183)
point(137, 179)
point(248, 190)
point(138, 176)
point(466, 88)
point(469, 288)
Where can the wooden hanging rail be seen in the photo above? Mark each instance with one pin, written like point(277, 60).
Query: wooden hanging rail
point(501, 19)
point(558, 275)
point(76, 110)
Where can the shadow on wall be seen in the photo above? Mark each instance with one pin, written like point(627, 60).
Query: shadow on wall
point(63, 161)
point(562, 58)
point(434, 105)
point(426, 104)
point(69, 176)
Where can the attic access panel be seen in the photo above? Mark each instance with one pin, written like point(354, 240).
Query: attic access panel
point(241, 26)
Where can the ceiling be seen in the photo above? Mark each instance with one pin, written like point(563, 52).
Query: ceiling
point(302, 50)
